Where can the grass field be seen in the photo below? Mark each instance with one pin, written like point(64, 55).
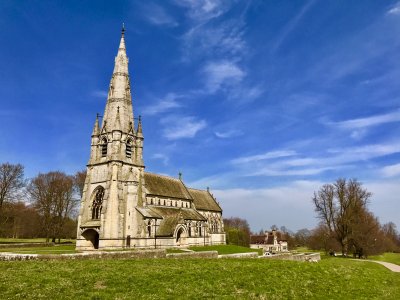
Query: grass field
point(57, 249)
point(226, 249)
point(388, 257)
point(197, 279)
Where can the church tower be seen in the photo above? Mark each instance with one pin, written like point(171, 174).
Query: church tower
point(115, 170)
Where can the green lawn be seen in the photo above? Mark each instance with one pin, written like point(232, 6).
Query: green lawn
point(388, 257)
point(36, 240)
point(197, 279)
point(57, 249)
point(226, 249)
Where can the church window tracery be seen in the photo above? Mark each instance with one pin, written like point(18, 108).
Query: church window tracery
point(97, 203)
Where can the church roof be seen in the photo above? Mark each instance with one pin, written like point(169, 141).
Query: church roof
point(166, 186)
point(203, 200)
point(171, 217)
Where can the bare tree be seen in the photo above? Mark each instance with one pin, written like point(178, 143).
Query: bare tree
point(52, 196)
point(79, 181)
point(11, 182)
point(339, 205)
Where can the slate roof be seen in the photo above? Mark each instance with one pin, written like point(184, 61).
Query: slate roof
point(161, 185)
point(204, 201)
point(171, 216)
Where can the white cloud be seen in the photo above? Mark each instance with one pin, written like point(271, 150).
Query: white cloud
point(391, 171)
point(291, 25)
point(264, 156)
point(204, 10)
point(395, 10)
point(99, 93)
point(178, 127)
point(369, 121)
point(228, 134)
point(164, 158)
point(157, 15)
point(289, 205)
point(168, 103)
point(221, 74)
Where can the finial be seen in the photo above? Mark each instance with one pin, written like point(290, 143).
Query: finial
point(123, 28)
point(180, 175)
point(140, 118)
point(208, 189)
point(117, 109)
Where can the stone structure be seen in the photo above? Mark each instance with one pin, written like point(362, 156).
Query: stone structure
point(272, 241)
point(123, 206)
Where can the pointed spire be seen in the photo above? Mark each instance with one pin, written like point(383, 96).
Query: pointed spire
point(96, 126)
point(122, 42)
point(139, 132)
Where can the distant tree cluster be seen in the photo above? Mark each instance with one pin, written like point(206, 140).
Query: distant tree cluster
point(237, 231)
point(44, 206)
point(346, 226)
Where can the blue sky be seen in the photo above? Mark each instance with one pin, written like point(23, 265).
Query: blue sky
point(262, 101)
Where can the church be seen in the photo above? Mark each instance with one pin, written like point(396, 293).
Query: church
point(123, 206)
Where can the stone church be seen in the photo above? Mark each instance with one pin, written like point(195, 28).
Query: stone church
point(123, 206)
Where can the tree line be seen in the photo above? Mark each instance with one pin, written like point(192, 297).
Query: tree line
point(346, 224)
point(44, 206)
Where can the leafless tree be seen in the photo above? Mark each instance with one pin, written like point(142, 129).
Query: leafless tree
point(339, 205)
point(11, 182)
point(52, 196)
point(79, 181)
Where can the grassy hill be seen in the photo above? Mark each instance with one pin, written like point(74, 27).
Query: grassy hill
point(332, 278)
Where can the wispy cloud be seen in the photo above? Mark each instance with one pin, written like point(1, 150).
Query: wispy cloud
point(264, 156)
point(291, 25)
point(204, 10)
point(391, 171)
point(167, 103)
point(395, 9)
point(369, 121)
point(221, 74)
point(178, 127)
point(228, 134)
point(155, 14)
point(99, 93)
point(163, 157)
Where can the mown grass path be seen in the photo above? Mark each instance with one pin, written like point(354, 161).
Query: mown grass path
point(197, 279)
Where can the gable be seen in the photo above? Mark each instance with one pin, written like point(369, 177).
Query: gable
point(204, 201)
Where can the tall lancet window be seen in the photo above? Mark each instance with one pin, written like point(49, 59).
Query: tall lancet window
point(97, 203)
point(128, 149)
point(104, 147)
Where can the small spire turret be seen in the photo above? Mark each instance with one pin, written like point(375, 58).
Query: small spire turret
point(139, 132)
point(96, 130)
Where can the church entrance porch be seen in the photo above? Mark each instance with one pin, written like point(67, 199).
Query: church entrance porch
point(181, 237)
point(92, 236)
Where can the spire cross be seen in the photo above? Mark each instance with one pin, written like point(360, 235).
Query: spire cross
point(123, 28)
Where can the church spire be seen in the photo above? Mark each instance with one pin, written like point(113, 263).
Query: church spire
point(119, 93)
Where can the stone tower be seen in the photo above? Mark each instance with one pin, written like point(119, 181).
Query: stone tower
point(123, 206)
point(115, 169)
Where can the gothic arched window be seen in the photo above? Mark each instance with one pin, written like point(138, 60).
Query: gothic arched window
point(104, 147)
point(128, 150)
point(97, 203)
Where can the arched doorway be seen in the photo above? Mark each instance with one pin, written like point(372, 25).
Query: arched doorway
point(181, 235)
point(92, 236)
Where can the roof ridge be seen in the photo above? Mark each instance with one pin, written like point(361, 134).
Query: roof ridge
point(161, 175)
point(197, 189)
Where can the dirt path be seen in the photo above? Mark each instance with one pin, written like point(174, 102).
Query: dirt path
point(390, 266)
